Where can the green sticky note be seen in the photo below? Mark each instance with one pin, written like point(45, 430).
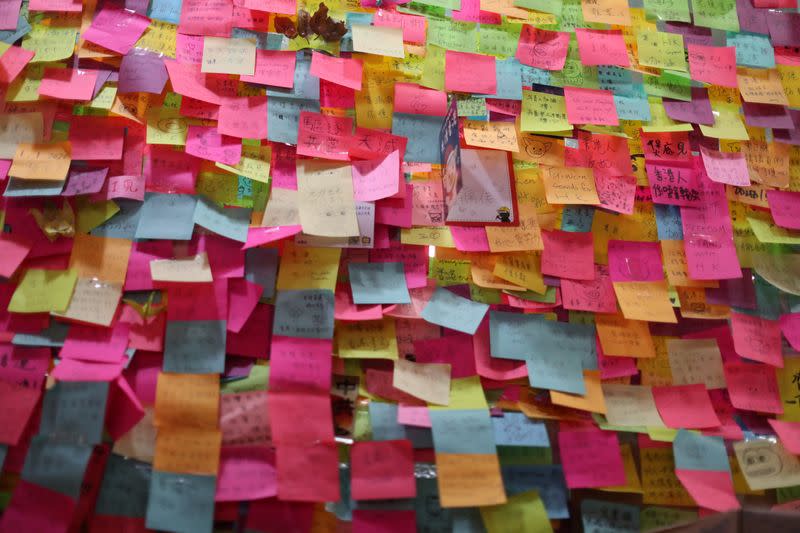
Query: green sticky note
point(453, 35)
point(525, 510)
point(718, 14)
point(433, 68)
point(446, 4)
point(484, 295)
point(469, 106)
point(674, 10)
point(668, 85)
point(43, 291)
point(546, 6)
point(449, 271)
point(500, 41)
point(542, 112)
point(524, 455)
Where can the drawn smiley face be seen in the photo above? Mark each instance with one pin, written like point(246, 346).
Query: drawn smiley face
point(761, 462)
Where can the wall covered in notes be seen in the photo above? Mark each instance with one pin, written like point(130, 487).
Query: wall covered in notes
point(388, 266)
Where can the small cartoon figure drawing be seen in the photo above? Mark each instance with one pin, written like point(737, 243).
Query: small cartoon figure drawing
point(503, 214)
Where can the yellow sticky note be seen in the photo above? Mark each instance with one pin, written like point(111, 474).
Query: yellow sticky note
point(526, 236)
point(92, 214)
point(632, 483)
point(542, 112)
point(308, 268)
point(254, 164)
point(428, 235)
point(367, 339)
point(727, 124)
point(160, 37)
point(433, 68)
point(762, 87)
point(607, 11)
point(229, 56)
point(465, 393)
point(378, 40)
point(42, 291)
point(661, 50)
point(625, 338)
point(523, 269)
point(790, 79)
point(789, 389)
point(105, 98)
point(497, 135)
point(660, 485)
point(768, 232)
point(41, 161)
point(50, 42)
point(522, 512)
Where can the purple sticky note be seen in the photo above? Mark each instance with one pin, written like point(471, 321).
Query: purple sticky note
point(750, 18)
point(9, 14)
point(137, 6)
point(767, 116)
point(85, 181)
point(784, 28)
point(698, 110)
point(142, 73)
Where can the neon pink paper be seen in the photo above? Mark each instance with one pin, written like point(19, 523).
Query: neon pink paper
point(685, 406)
point(542, 48)
point(341, 70)
point(470, 73)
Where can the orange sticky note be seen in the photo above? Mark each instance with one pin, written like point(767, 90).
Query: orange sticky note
point(622, 337)
point(469, 480)
point(645, 300)
point(570, 185)
point(593, 401)
point(188, 450)
point(187, 400)
point(104, 258)
point(41, 161)
point(607, 11)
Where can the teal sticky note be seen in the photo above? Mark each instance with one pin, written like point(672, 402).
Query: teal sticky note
point(181, 502)
point(75, 411)
point(694, 451)
point(509, 80)
point(422, 132)
point(534, 76)
point(752, 49)
point(195, 346)
point(124, 489)
point(304, 313)
point(11, 36)
point(58, 465)
point(547, 479)
point(230, 222)
point(166, 216)
point(462, 431)
point(283, 116)
point(379, 283)
point(452, 311)
point(562, 373)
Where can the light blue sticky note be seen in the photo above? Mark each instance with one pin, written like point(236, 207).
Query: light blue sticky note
point(304, 313)
point(166, 10)
point(11, 36)
point(75, 411)
point(124, 489)
point(563, 372)
point(422, 132)
point(509, 80)
point(668, 222)
point(283, 115)
point(17, 188)
point(632, 107)
point(534, 76)
point(694, 451)
point(195, 346)
point(123, 224)
point(548, 480)
point(577, 218)
point(52, 337)
point(516, 429)
point(452, 311)
point(167, 216)
point(264, 41)
point(379, 283)
point(383, 421)
point(462, 431)
point(305, 87)
point(183, 503)
point(261, 268)
point(752, 50)
point(602, 517)
point(524, 337)
point(58, 465)
point(230, 222)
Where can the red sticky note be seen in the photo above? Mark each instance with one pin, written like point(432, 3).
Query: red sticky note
point(382, 470)
point(341, 70)
point(384, 521)
point(286, 408)
point(244, 117)
point(542, 48)
point(455, 350)
point(274, 514)
point(204, 17)
point(709, 489)
point(666, 146)
point(13, 61)
point(568, 254)
point(411, 98)
point(469, 73)
point(300, 364)
point(207, 143)
point(18, 405)
point(13, 251)
point(753, 387)
point(77, 370)
point(324, 136)
point(246, 473)
point(757, 338)
point(308, 471)
point(616, 193)
point(602, 47)
point(87, 145)
point(592, 458)
point(68, 83)
point(789, 433)
point(36, 508)
point(595, 295)
point(674, 185)
point(124, 410)
point(590, 106)
point(685, 406)
point(635, 261)
point(273, 67)
point(785, 208)
point(713, 64)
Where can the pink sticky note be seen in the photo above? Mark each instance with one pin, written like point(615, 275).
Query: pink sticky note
point(413, 26)
point(341, 70)
point(284, 7)
point(70, 6)
point(757, 338)
point(206, 142)
point(685, 406)
point(87, 145)
point(470, 73)
point(201, 17)
point(250, 19)
point(170, 171)
point(259, 236)
point(308, 472)
point(124, 410)
point(494, 367)
point(68, 83)
point(324, 136)
point(413, 415)
point(411, 98)
point(595, 295)
point(615, 367)
point(785, 208)
point(13, 251)
point(790, 326)
point(602, 47)
point(187, 80)
point(590, 106)
point(13, 61)
point(713, 64)
point(77, 370)
point(568, 254)
point(144, 334)
point(414, 259)
point(384, 521)
point(710, 489)
point(283, 167)
point(36, 508)
point(243, 297)
point(789, 433)
point(728, 168)
point(18, 405)
point(24, 366)
point(635, 261)
point(300, 364)
point(89, 343)
point(753, 387)
point(674, 185)
point(374, 179)
point(254, 337)
point(273, 67)
point(616, 193)
point(469, 239)
point(246, 473)
point(542, 48)
point(471, 12)
point(382, 470)
point(591, 458)
point(368, 144)
point(9, 14)
point(346, 309)
point(244, 419)
point(335, 95)
point(287, 408)
point(244, 117)
point(116, 29)
point(189, 49)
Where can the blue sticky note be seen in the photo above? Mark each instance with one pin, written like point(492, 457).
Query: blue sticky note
point(195, 346)
point(18, 188)
point(58, 465)
point(668, 222)
point(181, 502)
point(261, 268)
point(452, 311)
point(75, 411)
point(52, 337)
point(283, 116)
point(561, 373)
point(577, 218)
point(383, 421)
point(422, 132)
point(166, 10)
point(167, 216)
point(525, 337)
point(305, 87)
point(752, 50)
point(534, 76)
point(124, 489)
point(264, 41)
point(304, 313)
point(694, 451)
point(123, 224)
point(548, 480)
point(516, 429)
point(632, 107)
point(509, 80)
point(602, 516)
point(379, 283)
point(230, 222)
point(462, 431)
